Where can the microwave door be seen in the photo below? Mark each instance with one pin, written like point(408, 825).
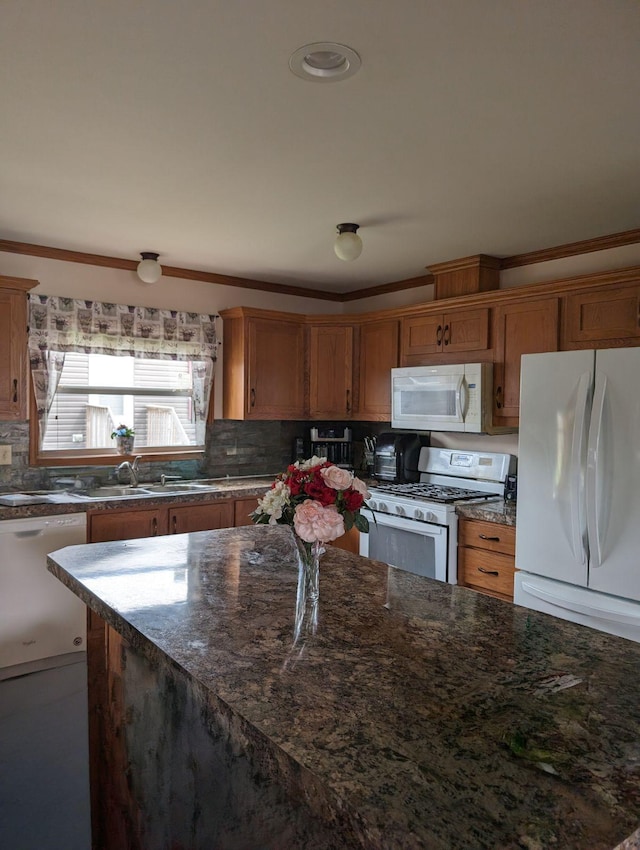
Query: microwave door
point(429, 402)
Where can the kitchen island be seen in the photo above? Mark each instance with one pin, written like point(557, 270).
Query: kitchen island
point(415, 715)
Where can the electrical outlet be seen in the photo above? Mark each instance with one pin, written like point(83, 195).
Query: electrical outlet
point(5, 455)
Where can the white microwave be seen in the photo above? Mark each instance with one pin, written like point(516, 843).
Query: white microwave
point(442, 398)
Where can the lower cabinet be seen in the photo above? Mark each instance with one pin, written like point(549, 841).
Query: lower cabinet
point(486, 557)
point(149, 522)
point(242, 510)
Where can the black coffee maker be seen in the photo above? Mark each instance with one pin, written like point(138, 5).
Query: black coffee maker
point(396, 456)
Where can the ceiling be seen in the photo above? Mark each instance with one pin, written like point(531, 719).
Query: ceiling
point(496, 127)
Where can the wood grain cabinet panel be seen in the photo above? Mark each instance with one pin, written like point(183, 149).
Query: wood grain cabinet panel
point(242, 511)
point(378, 349)
point(331, 371)
point(201, 517)
point(451, 333)
point(602, 318)
point(13, 348)
point(521, 327)
point(126, 524)
point(486, 557)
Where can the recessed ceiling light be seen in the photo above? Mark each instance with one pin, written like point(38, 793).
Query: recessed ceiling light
point(324, 62)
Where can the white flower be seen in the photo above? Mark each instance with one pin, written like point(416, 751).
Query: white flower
point(309, 464)
point(274, 501)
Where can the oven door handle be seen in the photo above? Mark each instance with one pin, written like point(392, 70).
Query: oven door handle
point(427, 529)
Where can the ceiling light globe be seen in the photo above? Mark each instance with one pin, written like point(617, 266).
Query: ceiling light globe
point(149, 269)
point(348, 246)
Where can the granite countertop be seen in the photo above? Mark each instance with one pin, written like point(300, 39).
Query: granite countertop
point(494, 510)
point(66, 503)
point(431, 716)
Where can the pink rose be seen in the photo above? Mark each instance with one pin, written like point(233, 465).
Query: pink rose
point(336, 478)
point(361, 487)
point(314, 522)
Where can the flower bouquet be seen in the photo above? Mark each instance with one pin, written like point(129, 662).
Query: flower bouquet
point(319, 501)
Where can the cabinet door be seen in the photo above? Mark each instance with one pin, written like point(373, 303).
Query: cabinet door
point(330, 371)
point(466, 330)
point(126, 525)
point(378, 356)
point(13, 355)
point(608, 316)
point(421, 335)
point(242, 508)
point(201, 517)
point(521, 327)
point(275, 386)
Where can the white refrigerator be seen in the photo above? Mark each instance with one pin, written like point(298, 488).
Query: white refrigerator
point(578, 508)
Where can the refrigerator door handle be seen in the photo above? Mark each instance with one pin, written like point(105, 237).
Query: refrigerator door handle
point(571, 604)
point(576, 497)
point(593, 482)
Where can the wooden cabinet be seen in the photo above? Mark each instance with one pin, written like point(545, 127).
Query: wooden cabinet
point(602, 318)
point(13, 348)
point(486, 557)
point(201, 517)
point(331, 371)
point(378, 355)
point(263, 365)
point(520, 327)
point(242, 510)
point(126, 524)
point(451, 333)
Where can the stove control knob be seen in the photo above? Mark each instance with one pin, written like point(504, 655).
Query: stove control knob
point(418, 514)
point(382, 506)
point(400, 510)
point(373, 505)
point(431, 517)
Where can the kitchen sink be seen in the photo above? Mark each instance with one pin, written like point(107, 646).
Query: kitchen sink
point(109, 492)
point(181, 487)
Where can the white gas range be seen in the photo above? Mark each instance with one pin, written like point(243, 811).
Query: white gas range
point(415, 526)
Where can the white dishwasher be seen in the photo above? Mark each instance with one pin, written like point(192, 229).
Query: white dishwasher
point(41, 620)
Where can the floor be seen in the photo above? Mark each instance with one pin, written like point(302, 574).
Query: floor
point(44, 773)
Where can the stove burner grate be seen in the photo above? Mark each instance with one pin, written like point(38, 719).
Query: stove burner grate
point(433, 492)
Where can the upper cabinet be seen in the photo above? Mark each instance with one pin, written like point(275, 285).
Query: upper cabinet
point(451, 333)
point(14, 390)
point(378, 355)
point(520, 327)
point(602, 318)
point(263, 365)
point(331, 371)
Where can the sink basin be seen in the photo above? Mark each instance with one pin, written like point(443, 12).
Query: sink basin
point(179, 487)
point(110, 492)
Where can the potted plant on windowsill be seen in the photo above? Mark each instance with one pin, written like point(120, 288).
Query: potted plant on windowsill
point(124, 437)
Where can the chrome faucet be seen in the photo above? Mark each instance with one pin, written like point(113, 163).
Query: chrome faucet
point(132, 468)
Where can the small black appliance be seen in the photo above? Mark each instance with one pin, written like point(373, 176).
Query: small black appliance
point(511, 488)
point(396, 456)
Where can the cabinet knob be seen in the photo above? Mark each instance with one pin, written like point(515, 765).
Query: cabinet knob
point(488, 572)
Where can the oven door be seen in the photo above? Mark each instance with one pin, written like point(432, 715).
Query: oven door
point(418, 547)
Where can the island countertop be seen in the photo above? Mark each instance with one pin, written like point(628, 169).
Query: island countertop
point(419, 715)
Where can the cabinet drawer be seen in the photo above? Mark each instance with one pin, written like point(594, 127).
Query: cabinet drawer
point(487, 535)
point(491, 572)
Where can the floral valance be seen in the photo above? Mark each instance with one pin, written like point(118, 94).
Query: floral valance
point(73, 324)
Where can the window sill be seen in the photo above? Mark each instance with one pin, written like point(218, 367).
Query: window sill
point(107, 457)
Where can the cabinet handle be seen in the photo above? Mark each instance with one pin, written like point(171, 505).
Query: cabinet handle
point(486, 537)
point(15, 389)
point(488, 572)
point(174, 524)
point(439, 335)
point(154, 526)
point(447, 335)
point(253, 397)
point(499, 397)
point(348, 401)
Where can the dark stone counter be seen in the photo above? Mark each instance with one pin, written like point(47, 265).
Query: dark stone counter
point(419, 715)
point(497, 510)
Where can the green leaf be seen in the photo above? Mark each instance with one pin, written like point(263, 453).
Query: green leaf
point(349, 518)
point(362, 523)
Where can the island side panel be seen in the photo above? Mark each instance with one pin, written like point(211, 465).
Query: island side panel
point(169, 769)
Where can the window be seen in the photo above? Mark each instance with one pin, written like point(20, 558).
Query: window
point(98, 366)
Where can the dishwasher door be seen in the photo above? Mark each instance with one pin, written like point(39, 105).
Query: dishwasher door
point(39, 617)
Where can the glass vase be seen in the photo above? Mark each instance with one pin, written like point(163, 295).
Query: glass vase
point(309, 561)
point(124, 445)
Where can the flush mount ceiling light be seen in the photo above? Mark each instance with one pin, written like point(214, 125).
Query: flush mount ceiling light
point(324, 62)
point(149, 269)
point(348, 244)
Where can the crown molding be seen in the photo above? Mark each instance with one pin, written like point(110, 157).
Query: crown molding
point(571, 249)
